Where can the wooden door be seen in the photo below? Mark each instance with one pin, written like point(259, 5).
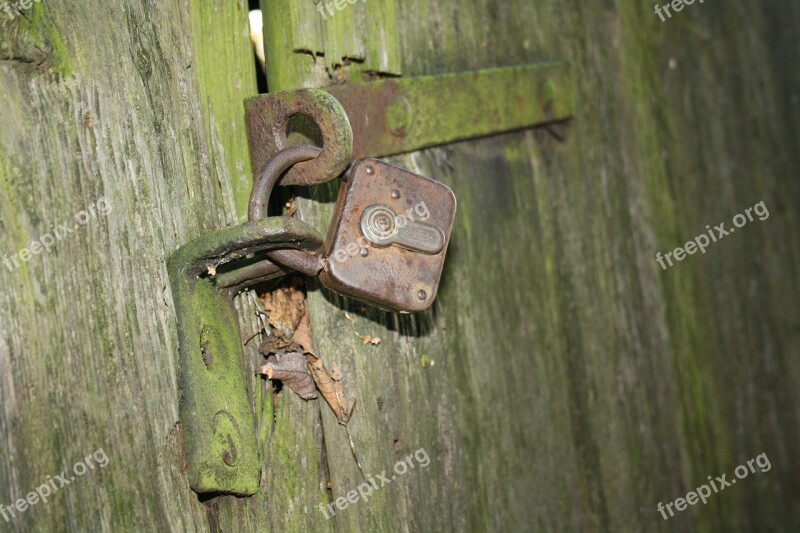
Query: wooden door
point(563, 380)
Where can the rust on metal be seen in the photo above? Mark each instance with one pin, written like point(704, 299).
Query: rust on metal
point(297, 260)
point(271, 174)
point(407, 114)
point(403, 115)
point(405, 236)
point(221, 447)
point(269, 120)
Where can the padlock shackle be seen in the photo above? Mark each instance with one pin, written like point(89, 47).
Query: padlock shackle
point(309, 263)
point(272, 173)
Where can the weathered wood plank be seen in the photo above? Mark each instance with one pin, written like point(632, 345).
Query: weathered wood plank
point(139, 105)
point(575, 383)
point(562, 381)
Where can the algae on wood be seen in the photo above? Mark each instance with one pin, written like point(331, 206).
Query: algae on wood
point(563, 380)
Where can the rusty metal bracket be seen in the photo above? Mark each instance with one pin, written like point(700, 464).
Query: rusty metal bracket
point(215, 408)
point(403, 115)
point(269, 122)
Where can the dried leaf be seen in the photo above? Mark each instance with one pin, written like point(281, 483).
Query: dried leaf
point(330, 385)
point(284, 307)
point(349, 317)
point(291, 338)
point(291, 368)
point(366, 339)
point(273, 344)
point(336, 374)
point(302, 335)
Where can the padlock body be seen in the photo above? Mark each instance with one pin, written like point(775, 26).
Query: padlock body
point(400, 272)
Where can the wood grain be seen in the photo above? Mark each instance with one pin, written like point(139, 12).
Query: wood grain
point(563, 381)
point(575, 383)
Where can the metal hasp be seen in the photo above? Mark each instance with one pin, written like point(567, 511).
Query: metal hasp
point(216, 409)
point(402, 115)
point(216, 412)
point(404, 219)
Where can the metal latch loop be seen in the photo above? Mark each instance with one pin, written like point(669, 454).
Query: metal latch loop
point(268, 124)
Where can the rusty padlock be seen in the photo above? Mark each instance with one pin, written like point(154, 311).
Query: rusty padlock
point(388, 238)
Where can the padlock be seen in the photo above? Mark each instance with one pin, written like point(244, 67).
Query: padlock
point(388, 238)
